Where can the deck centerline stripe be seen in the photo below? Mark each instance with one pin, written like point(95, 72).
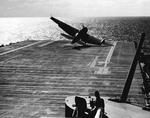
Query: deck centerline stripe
point(20, 48)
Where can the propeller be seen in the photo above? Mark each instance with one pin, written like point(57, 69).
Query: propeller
point(76, 39)
point(81, 33)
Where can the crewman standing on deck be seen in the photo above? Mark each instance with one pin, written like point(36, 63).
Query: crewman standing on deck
point(98, 104)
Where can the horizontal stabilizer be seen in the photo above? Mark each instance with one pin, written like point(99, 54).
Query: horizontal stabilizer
point(67, 36)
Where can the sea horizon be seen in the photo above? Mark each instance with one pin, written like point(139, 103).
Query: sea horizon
point(16, 29)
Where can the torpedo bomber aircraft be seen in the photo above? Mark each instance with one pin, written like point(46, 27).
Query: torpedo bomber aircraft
point(78, 36)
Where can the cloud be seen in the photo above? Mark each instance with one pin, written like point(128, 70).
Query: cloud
point(75, 7)
point(96, 7)
point(24, 8)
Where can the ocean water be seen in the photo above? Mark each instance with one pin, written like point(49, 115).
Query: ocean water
point(19, 29)
point(116, 28)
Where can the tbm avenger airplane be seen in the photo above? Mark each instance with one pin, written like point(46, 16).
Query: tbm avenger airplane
point(78, 36)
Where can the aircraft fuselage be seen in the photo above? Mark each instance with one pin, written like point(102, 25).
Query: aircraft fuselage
point(77, 35)
point(91, 40)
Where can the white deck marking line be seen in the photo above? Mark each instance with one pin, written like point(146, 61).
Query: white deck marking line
point(110, 54)
point(19, 48)
point(93, 63)
point(103, 70)
point(11, 58)
point(42, 45)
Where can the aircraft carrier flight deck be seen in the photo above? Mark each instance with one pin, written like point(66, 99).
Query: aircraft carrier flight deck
point(37, 76)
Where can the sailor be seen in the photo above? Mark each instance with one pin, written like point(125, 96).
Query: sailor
point(98, 104)
point(81, 108)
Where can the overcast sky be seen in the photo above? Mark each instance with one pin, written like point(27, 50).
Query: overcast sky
point(70, 8)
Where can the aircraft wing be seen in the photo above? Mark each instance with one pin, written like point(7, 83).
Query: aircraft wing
point(67, 28)
point(73, 31)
